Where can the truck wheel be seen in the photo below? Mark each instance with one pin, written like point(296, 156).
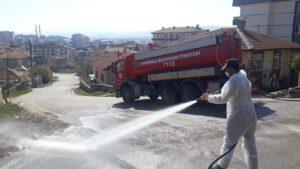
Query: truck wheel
point(153, 95)
point(127, 94)
point(189, 92)
point(168, 94)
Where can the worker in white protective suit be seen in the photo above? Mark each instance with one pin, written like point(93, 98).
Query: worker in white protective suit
point(241, 116)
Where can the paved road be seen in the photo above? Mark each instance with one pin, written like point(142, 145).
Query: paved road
point(189, 139)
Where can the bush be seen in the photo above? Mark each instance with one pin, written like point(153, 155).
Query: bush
point(45, 72)
point(296, 63)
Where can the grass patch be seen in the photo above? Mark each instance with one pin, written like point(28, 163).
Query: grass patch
point(10, 110)
point(79, 91)
point(19, 92)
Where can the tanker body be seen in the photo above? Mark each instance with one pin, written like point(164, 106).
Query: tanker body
point(182, 70)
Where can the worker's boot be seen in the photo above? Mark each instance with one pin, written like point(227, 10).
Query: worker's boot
point(218, 167)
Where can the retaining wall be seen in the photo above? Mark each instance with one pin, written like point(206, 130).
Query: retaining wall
point(95, 87)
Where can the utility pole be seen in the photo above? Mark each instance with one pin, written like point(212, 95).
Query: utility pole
point(7, 70)
point(31, 68)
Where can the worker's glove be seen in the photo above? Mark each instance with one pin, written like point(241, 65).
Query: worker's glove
point(204, 96)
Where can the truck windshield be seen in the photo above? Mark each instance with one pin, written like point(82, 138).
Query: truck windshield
point(120, 66)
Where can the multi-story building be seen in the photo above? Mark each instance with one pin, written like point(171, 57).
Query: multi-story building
point(52, 54)
point(6, 37)
point(275, 18)
point(165, 35)
point(80, 41)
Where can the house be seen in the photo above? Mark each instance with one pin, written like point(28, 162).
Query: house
point(15, 59)
point(265, 56)
point(166, 35)
point(103, 68)
point(275, 18)
point(104, 65)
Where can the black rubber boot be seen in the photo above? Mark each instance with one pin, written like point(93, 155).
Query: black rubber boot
point(218, 167)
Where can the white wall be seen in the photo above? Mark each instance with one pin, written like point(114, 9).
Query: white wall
point(270, 18)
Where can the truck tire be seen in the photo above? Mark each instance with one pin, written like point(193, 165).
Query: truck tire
point(153, 95)
point(168, 94)
point(127, 94)
point(189, 92)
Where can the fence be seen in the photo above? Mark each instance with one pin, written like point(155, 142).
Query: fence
point(1, 98)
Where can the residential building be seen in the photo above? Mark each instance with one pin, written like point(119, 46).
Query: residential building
point(265, 56)
point(103, 64)
point(275, 18)
point(80, 41)
point(6, 37)
point(53, 54)
point(103, 68)
point(165, 35)
point(15, 59)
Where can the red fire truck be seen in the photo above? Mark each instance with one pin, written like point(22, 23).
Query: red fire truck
point(182, 70)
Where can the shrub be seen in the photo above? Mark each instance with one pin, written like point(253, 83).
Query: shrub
point(45, 72)
point(296, 63)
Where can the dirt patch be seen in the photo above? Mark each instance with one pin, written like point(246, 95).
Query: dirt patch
point(27, 126)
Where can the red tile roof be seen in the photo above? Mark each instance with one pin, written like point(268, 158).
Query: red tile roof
point(13, 55)
point(106, 60)
point(257, 41)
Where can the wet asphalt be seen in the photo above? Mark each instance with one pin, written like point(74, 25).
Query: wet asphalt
point(187, 140)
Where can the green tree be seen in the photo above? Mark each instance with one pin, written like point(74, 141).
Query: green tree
point(45, 72)
point(296, 63)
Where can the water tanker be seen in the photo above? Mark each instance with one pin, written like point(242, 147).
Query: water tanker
point(180, 71)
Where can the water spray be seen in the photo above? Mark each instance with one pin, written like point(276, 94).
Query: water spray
point(107, 136)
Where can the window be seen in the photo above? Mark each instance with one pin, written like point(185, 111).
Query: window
point(277, 60)
point(257, 62)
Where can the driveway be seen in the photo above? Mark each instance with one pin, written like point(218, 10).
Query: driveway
point(189, 139)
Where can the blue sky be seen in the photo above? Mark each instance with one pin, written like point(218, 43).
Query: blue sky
point(114, 16)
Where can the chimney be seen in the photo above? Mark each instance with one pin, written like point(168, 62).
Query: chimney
point(40, 31)
point(240, 22)
point(36, 33)
point(197, 26)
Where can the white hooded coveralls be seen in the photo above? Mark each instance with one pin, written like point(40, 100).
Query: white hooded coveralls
point(241, 118)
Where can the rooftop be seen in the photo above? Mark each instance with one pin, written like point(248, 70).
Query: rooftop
point(187, 29)
point(257, 41)
point(13, 55)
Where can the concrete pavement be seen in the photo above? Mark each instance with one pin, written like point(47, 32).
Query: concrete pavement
point(190, 139)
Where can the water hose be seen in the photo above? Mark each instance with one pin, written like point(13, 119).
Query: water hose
point(234, 145)
point(222, 155)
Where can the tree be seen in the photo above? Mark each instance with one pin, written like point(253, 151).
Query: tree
point(296, 63)
point(45, 72)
